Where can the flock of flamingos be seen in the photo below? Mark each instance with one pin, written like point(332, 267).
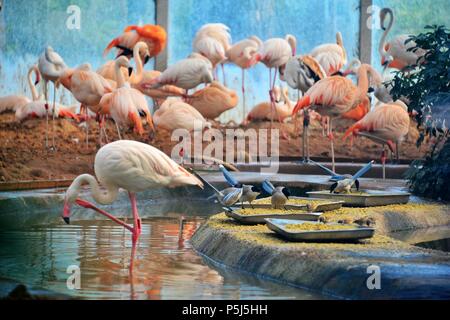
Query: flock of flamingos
point(117, 91)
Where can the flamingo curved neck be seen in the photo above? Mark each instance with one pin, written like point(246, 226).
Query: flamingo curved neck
point(139, 65)
point(119, 76)
point(107, 196)
point(363, 80)
point(34, 92)
point(381, 47)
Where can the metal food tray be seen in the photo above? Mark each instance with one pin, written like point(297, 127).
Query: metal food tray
point(323, 207)
point(354, 232)
point(372, 198)
point(251, 219)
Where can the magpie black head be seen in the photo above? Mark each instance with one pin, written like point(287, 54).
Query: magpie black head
point(256, 189)
point(357, 184)
point(286, 192)
point(333, 186)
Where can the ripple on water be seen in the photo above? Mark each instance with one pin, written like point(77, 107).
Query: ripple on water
point(165, 266)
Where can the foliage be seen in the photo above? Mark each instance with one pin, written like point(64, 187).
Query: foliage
point(426, 87)
point(430, 177)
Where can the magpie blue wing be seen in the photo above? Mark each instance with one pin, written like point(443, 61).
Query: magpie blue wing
point(363, 170)
point(268, 187)
point(233, 196)
point(228, 176)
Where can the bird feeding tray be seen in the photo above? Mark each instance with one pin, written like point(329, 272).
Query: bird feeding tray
point(259, 218)
point(309, 204)
point(345, 233)
point(363, 198)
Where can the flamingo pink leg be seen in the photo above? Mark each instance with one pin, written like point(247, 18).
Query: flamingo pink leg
point(135, 230)
point(137, 220)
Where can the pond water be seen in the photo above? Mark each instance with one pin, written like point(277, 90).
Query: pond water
point(437, 238)
point(165, 265)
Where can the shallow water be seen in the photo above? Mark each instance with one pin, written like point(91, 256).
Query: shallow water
point(437, 238)
point(165, 265)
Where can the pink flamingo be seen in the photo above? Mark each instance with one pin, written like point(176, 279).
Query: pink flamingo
point(125, 104)
point(335, 96)
point(175, 114)
point(331, 56)
point(130, 165)
point(241, 54)
point(153, 35)
point(88, 88)
point(213, 100)
point(275, 53)
point(283, 105)
point(140, 52)
point(213, 40)
point(395, 53)
point(186, 74)
point(385, 124)
point(51, 66)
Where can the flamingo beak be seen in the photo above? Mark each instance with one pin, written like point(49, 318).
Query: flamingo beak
point(146, 59)
point(130, 71)
point(66, 212)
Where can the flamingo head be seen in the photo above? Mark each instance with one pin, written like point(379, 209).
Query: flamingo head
point(66, 212)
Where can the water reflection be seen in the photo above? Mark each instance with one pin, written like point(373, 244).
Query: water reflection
point(165, 265)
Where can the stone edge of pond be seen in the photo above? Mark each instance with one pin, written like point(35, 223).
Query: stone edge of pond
point(407, 272)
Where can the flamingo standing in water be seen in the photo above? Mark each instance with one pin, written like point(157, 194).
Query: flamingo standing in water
point(331, 56)
point(125, 104)
point(213, 100)
point(51, 66)
point(241, 54)
point(153, 35)
point(212, 41)
point(385, 124)
point(14, 102)
point(88, 88)
point(395, 53)
point(130, 165)
point(275, 53)
point(335, 96)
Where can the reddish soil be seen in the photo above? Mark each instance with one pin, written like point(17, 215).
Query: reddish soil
point(24, 157)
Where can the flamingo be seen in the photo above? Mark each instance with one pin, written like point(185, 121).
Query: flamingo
point(331, 56)
point(213, 100)
point(158, 95)
point(213, 40)
point(283, 106)
point(126, 104)
point(175, 114)
point(88, 88)
point(140, 51)
point(38, 109)
point(385, 124)
point(396, 53)
point(153, 35)
point(275, 53)
point(51, 66)
point(130, 165)
point(14, 102)
point(334, 96)
point(241, 54)
point(186, 74)
point(301, 73)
